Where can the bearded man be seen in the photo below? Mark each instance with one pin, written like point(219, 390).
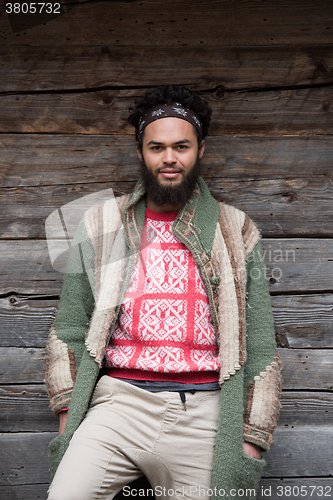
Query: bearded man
point(166, 306)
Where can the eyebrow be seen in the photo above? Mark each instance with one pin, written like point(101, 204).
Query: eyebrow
point(156, 143)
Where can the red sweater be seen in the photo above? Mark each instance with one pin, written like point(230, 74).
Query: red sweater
point(164, 329)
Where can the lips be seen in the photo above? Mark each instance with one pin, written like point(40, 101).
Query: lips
point(169, 173)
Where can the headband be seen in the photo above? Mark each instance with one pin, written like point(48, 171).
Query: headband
point(174, 110)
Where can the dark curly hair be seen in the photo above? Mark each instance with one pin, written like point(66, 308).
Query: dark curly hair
point(167, 95)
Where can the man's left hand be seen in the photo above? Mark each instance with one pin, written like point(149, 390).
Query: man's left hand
point(253, 450)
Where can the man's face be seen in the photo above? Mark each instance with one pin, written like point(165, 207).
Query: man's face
point(170, 156)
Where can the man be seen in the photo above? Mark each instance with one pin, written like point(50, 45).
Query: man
point(169, 302)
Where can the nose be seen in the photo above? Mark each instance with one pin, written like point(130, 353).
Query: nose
point(169, 157)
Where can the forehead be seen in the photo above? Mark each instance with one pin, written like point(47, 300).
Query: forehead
point(169, 129)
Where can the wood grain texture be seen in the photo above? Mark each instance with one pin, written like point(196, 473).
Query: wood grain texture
point(53, 68)
point(192, 23)
point(24, 322)
point(304, 369)
point(290, 456)
point(305, 409)
point(51, 160)
point(301, 321)
point(284, 112)
point(277, 206)
point(304, 321)
point(307, 369)
point(291, 265)
point(300, 452)
point(22, 366)
point(25, 408)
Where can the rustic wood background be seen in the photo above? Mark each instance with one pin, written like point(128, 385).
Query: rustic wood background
point(266, 68)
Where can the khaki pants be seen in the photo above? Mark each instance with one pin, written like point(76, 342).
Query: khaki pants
point(129, 432)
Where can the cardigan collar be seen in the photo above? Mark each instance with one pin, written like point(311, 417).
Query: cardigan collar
point(195, 223)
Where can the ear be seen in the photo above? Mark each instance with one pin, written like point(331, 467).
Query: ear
point(201, 149)
point(139, 152)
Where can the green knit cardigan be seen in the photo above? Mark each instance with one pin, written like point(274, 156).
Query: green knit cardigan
point(226, 247)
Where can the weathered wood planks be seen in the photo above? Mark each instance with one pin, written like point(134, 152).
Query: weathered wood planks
point(54, 68)
point(292, 265)
point(277, 206)
point(301, 321)
point(305, 369)
point(290, 455)
point(50, 160)
point(300, 111)
point(192, 23)
point(27, 409)
point(304, 321)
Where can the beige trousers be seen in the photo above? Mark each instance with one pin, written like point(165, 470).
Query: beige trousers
point(129, 432)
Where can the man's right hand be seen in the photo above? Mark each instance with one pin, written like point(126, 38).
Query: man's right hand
point(62, 421)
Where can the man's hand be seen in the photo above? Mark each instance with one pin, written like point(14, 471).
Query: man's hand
point(62, 421)
point(253, 450)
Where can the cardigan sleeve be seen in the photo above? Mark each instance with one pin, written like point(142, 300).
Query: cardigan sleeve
point(262, 370)
point(66, 340)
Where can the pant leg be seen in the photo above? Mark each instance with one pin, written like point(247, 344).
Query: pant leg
point(129, 431)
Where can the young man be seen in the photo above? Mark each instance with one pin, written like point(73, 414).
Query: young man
point(166, 304)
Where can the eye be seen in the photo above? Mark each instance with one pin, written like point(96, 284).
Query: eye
point(182, 147)
point(156, 148)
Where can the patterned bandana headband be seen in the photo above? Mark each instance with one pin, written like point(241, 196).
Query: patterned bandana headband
point(174, 110)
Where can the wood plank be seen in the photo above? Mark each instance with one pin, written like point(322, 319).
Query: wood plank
point(297, 265)
point(24, 458)
point(290, 456)
point(301, 265)
point(24, 492)
point(19, 365)
point(305, 409)
point(25, 408)
point(300, 452)
point(277, 206)
point(301, 321)
point(191, 24)
point(305, 369)
point(301, 111)
point(304, 320)
point(25, 268)
point(51, 160)
point(24, 322)
point(52, 68)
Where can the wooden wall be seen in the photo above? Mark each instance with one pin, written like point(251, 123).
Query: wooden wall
point(266, 68)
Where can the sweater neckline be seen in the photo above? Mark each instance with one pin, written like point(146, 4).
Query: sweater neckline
point(161, 216)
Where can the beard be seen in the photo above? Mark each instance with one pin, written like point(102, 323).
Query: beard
point(170, 194)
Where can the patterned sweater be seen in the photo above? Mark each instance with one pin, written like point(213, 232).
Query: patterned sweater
point(226, 247)
point(164, 329)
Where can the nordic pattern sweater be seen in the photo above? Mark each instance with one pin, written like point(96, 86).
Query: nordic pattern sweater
point(226, 247)
point(164, 330)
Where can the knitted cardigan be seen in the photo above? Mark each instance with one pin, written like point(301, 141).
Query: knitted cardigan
point(225, 245)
